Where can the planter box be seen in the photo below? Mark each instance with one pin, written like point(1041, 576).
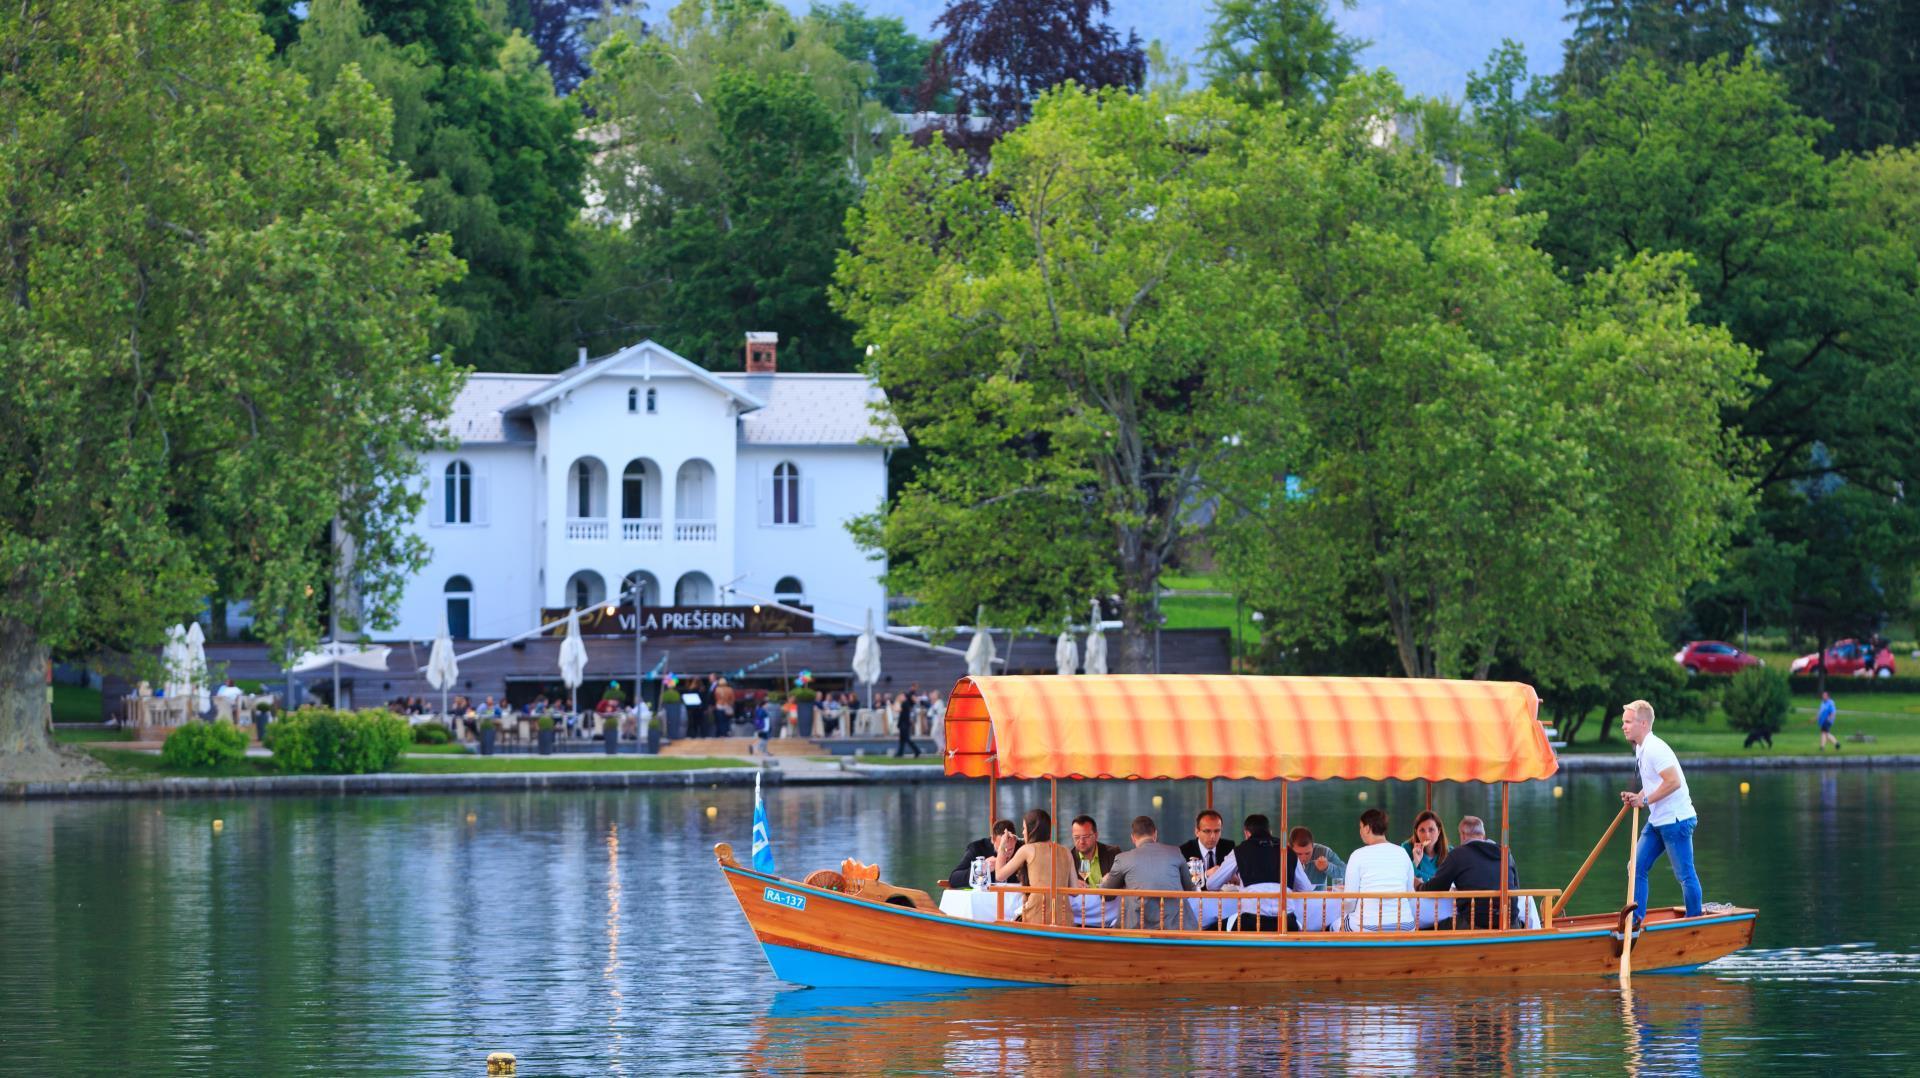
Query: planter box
point(610, 737)
point(546, 742)
point(487, 736)
point(676, 721)
point(805, 708)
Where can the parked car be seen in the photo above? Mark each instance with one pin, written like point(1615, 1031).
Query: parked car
point(1849, 658)
point(1714, 657)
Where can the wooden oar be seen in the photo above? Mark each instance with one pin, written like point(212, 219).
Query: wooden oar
point(1626, 924)
point(1591, 858)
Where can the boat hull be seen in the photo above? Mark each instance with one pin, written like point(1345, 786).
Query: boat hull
point(825, 939)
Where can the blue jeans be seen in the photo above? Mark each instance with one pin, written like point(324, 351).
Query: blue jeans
point(1676, 841)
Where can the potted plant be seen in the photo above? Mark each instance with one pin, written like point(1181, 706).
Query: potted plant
point(676, 713)
point(260, 716)
point(489, 730)
point(610, 734)
point(546, 735)
point(653, 735)
point(804, 699)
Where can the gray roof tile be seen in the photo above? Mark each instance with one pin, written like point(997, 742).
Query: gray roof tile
point(814, 409)
point(476, 409)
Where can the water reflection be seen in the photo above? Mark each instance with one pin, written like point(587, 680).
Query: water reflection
point(1660, 1026)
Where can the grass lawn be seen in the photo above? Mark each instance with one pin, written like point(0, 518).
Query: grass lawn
point(129, 764)
point(451, 748)
point(1893, 720)
point(75, 703)
point(928, 758)
point(88, 737)
point(473, 765)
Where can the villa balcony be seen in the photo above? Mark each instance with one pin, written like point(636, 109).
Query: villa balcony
point(586, 531)
point(641, 531)
point(696, 531)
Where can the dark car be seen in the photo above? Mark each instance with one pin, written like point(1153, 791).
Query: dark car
point(1849, 658)
point(1714, 657)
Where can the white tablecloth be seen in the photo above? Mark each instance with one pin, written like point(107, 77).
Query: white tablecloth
point(1314, 912)
point(984, 905)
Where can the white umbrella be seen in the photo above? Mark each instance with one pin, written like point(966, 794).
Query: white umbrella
point(1096, 644)
point(980, 653)
point(442, 668)
point(866, 660)
point(345, 653)
point(196, 642)
point(573, 658)
point(1066, 653)
point(175, 677)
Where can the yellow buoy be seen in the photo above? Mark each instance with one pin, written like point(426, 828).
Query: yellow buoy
point(1557, 792)
point(219, 824)
point(471, 817)
point(1156, 804)
point(501, 1063)
point(1363, 797)
point(1744, 787)
point(941, 806)
point(712, 812)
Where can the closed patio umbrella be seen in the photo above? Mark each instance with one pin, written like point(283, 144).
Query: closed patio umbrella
point(442, 669)
point(866, 662)
point(196, 641)
point(1096, 644)
point(573, 658)
point(1066, 653)
point(980, 653)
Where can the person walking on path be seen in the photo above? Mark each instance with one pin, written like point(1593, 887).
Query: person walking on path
point(1670, 815)
point(1825, 721)
point(906, 723)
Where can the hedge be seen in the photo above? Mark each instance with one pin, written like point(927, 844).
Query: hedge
point(1840, 685)
point(204, 746)
point(321, 741)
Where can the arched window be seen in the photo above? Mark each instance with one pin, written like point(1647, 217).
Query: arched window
point(585, 589)
point(636, 483)
point(586, 493)
point(653, 401)
point(790, 590)
point(459, 607)
point(694, 589)
point(458, 485)
point(786, 493)
point(633, 400)
point(641, 583)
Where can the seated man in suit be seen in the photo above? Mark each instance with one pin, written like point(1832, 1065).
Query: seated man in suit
point(1256, 865)
point(979, 847)
point(1474, 865)
point(1151, 865)
point(1092, 860)
point(1206, 843)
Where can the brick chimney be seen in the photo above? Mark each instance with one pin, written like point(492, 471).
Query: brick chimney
point(760, 352)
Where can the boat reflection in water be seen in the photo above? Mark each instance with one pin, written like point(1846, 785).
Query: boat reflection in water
point(1374, 1028)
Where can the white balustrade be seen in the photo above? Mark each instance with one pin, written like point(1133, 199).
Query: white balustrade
point(587, 531)
point(696, 531)
point(640, 531)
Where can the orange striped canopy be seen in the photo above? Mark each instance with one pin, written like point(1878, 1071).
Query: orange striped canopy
point(1134, 726)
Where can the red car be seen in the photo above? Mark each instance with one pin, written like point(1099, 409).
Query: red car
point(1714, 657)
point(1854, 658)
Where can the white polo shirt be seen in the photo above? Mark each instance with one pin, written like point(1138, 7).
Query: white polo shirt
point(1653, 756)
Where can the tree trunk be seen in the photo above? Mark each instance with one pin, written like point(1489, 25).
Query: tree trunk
point(26, 720)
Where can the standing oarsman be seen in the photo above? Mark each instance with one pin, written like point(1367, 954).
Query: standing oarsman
point(1670, 815)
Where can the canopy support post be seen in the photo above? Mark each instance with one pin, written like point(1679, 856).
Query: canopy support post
point(1505, 904)
point(993, 803)
point(1053, 881)
point(1429, 795)
point(1209, 795)
point(1286, 847)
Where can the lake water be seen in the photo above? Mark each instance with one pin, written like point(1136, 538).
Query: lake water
point(590, 933)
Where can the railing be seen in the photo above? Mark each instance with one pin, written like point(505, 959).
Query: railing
point(587, 531)
point(696, 531)
point(640, 531)
point(1259, 911)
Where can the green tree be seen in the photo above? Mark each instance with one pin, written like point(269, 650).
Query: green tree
point(496, 156)
point(1508, 107)
point(199, 377)
point(1757, 701)
point(895, 57)
point(1464, 452)
point(1061, 336)
point(1286, 52)
point(1811, 265)
point(1852, 63)
point(1671, 34)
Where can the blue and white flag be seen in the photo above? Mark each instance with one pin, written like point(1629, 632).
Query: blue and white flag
point(762, 837)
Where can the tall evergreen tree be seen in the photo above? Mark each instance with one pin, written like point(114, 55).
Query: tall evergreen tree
point(1854, 64)
point(1607, 34)
point(1286, 52)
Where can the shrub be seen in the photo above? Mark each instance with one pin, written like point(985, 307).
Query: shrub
point(546, 724)
point(614, 694)
point(339, 742)
point(805, 694)
point(431, 733)
point(204, 746)
point(1757, 700)
point(669, 696)
point(1839, 685)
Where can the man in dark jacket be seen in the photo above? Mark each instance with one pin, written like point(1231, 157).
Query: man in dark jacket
point(1206, 843)
point(1474, 865)
point(982, 847)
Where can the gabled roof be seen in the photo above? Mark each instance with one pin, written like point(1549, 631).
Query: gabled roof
point(476, 415)
point(815, 409)
point(648, 356)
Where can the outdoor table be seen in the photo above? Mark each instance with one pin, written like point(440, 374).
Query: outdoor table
point(984, 905)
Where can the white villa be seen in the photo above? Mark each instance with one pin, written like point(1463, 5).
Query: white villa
point(643, 471)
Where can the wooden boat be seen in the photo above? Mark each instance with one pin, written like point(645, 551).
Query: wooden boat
point(1168, 727)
